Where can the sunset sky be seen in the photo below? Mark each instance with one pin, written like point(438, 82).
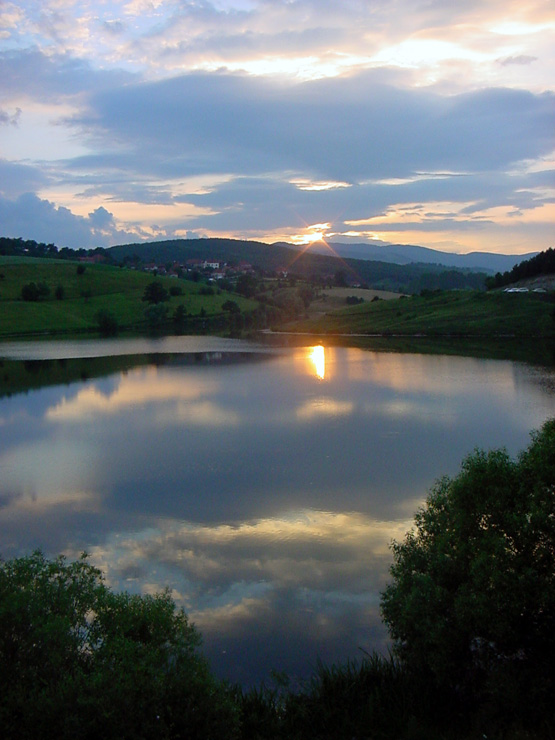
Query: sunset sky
point(408, 121)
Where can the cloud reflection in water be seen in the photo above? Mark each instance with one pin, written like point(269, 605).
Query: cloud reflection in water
point(265, 494)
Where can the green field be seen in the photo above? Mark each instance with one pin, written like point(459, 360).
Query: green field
point(99, 287)
point(452, 313)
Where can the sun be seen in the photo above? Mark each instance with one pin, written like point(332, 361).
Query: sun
point(313, 234)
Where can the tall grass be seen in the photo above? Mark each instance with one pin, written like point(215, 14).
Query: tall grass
point(380, 699)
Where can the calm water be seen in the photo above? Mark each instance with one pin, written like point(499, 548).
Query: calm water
point(262, 485)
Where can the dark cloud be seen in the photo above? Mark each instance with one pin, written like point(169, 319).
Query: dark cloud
point(348, 129)
point(16, 179)
point(50, 78)
point(30, 217)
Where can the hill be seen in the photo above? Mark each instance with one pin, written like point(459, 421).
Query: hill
point(70, 296)
point(538, 270)
point(325, 269)
point(404, 254)
point(469, 313)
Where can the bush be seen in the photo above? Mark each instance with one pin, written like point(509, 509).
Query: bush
point(155, 293)
point(107, 323)
point(473, 594)
point(35, 291)
point(156, 316)
point(80, 661)
point(178, 318)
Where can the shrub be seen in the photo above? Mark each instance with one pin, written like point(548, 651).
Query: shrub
point(81, 661)
point(473, 594)
point(107, 323)
point(35, 291)
point(155, 293)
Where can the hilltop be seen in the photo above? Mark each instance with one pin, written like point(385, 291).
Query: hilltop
point(328, 269)
point(405, 254)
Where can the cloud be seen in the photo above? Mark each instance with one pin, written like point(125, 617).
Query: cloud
point(137, 103)
point(349, 130)
point(10, 118)
point(53, 77)
point(16, 179)
point(31, 217)
point(520, 59)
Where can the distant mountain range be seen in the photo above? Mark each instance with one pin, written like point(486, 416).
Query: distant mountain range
point(405, 254)
point(394, 270)
point(279, 254)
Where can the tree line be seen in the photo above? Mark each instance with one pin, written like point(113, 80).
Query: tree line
point(541, 264)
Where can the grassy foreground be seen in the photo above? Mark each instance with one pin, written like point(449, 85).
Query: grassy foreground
point(83, 294)
point(468, 313)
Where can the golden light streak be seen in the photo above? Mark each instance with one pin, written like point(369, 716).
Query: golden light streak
point(318, 358)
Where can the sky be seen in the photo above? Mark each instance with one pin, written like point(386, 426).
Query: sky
point(426, 122)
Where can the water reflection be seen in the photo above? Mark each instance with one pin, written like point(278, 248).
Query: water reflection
point(263, 496)
point(318, 357)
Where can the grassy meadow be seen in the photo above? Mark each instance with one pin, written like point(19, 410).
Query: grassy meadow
point(84, 294)
point(452, 313)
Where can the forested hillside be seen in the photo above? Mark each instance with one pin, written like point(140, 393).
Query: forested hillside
point(542, 264)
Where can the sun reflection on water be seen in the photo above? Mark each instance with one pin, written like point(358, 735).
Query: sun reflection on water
point(318, 358)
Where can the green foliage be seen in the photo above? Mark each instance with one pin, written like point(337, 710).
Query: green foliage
point(246, 285)
point(231, 306)
point(450, 313)
point(156, 315)
point(306, 294)
point(102, 287)
point(472, 599)
point(155, 293)
point(340, 279)
point(35, 291)
point(78, 660)
point(542, 264)
point(107, 323)
point(178, 318)
point(374, 698)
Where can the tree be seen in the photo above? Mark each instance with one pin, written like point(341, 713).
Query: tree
point(78, 660)
point(107, 323)
point(35, 291)
point(156, 315)
point(473, 594)
point(231, 306)
point(178, 318)
point(246, 285)
point(155, 293)
point(340, 279)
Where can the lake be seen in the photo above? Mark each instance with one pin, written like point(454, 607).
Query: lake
point(262, 484)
